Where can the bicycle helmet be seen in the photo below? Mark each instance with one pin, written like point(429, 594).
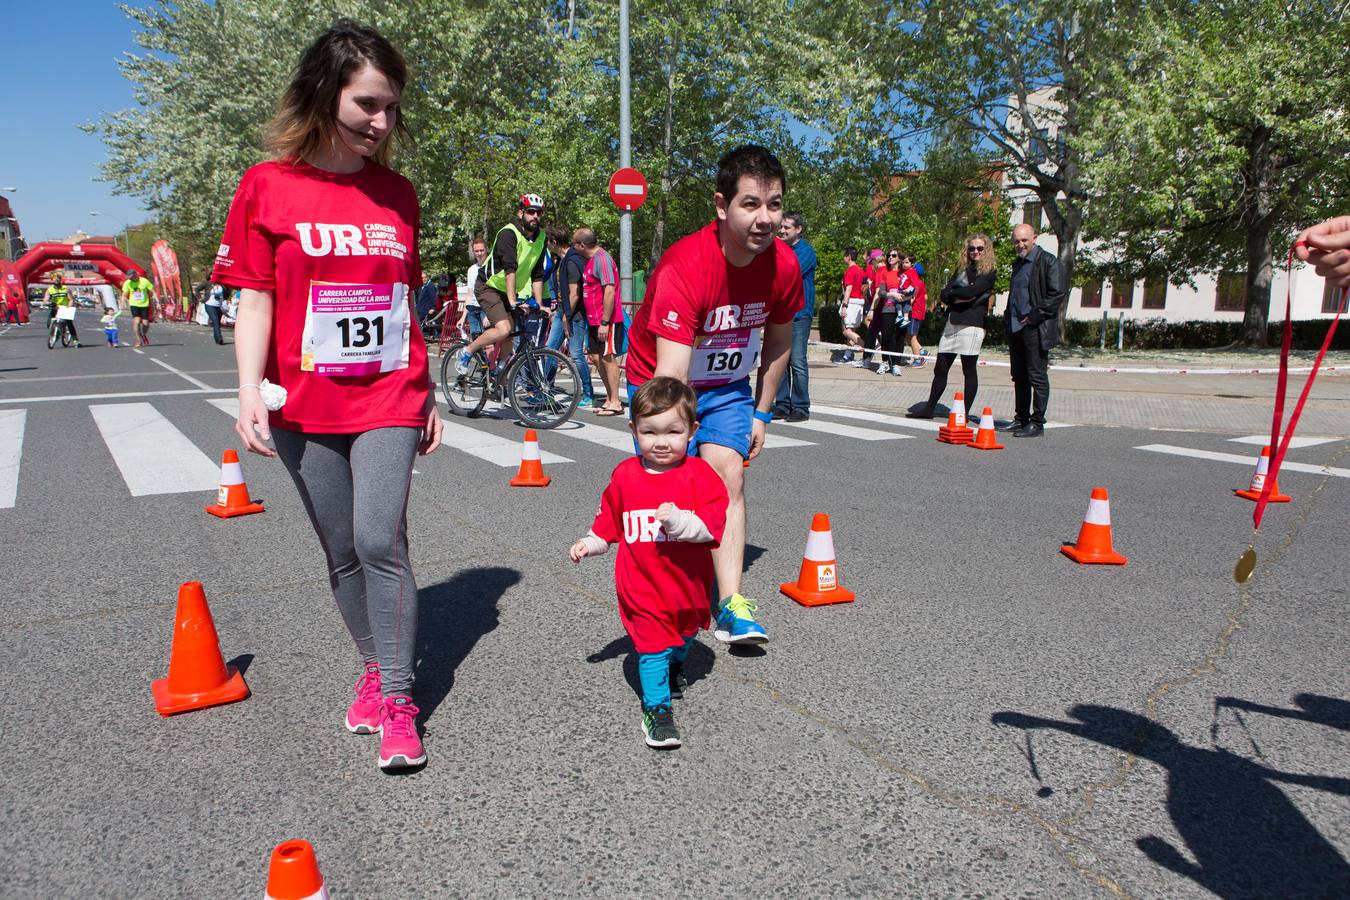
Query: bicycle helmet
point(532, 201)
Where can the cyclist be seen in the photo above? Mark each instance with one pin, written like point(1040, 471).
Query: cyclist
point(519, 247)
point(58, 295)
point(137, 291)
point(708, 301)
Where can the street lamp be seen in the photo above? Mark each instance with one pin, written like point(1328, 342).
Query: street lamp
point(94, 212)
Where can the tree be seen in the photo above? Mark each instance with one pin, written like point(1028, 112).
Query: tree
point(1225, 131)
point(1021, 76)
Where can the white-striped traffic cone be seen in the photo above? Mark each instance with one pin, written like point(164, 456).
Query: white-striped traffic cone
point(818, 582)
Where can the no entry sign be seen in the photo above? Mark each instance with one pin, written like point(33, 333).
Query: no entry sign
point(628, 189)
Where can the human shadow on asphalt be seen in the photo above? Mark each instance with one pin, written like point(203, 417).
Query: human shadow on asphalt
point(697, 666)
point(21, 369)
point(1248, 840)
point(451, 618)
point(1329, 711)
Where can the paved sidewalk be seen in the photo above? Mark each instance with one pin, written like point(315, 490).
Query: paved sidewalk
point(1226, 404)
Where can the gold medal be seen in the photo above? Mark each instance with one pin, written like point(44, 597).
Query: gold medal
point(1246, 564)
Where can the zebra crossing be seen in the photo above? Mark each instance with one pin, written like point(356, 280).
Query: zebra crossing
point(154, 456)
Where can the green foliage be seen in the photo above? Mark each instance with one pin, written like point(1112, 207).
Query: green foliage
point(1222, 133)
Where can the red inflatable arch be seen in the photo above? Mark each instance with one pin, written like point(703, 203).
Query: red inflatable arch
point(110, 262)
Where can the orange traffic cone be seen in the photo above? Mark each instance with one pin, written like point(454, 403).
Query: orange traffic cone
point(232, 500)
point(985, 439)
point(818, 582)
point(198, 676)
point(531, 472)
point(293, 873)
point(1094, 538)
point(956, 431)
point(1259, 481)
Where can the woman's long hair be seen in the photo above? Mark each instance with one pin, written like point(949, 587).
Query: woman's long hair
point(306, 116)
point(988, 261)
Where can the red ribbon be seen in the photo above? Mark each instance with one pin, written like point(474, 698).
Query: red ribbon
point(1280, 445)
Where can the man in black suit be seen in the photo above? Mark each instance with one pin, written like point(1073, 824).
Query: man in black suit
point(1034, 298)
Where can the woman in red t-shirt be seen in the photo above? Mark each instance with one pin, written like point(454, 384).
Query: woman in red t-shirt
point(322, 243)
point(882, 313)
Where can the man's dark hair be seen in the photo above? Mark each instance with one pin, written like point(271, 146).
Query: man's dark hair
point(556, 233)
point(797, 220)
point(752, 160)
point(851, 252)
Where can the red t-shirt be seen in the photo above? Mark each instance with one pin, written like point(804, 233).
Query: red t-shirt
point(883, 280)
point(853, 280)
point(920, 302)
point(344, 244)
point(695, 297)
point(663, 585)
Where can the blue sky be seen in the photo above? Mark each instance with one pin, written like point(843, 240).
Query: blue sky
point(61, 59)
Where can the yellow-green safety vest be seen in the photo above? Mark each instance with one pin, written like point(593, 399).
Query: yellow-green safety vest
point(527, 255)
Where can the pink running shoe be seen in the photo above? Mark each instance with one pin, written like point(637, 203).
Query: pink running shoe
point(367, 710)
point(400, 747)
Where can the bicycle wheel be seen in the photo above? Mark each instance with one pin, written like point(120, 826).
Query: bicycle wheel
point(464, 394)
point(65, 335)
point(543, 387)
point(51, 334)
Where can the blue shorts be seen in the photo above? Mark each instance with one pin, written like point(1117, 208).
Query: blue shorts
point(725, 416)
point(914, 326)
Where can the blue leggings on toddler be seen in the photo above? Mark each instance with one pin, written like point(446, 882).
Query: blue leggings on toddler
point(654, 673)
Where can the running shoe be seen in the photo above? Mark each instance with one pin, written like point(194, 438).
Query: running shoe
point(367, 710)
point(585, 403)
point(858, 364)
point(736, 622)
point(462, 364)
point(400, 747)
point(658, 727)
point(897, 369)
point(677, 681)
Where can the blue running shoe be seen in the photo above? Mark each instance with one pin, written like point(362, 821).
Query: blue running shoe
point(736, 623)
point(462, 364)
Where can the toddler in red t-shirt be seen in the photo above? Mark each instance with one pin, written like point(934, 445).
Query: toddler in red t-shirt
point(666, 510)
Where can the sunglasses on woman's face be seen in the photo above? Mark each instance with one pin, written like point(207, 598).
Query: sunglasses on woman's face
point(975, 249)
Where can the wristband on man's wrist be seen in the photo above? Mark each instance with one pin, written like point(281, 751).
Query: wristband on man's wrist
point(764, 416)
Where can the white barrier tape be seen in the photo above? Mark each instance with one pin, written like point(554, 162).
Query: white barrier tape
point(1109, 370)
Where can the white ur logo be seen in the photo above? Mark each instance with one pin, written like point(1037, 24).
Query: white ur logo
point(339, 240)
point(723, 318)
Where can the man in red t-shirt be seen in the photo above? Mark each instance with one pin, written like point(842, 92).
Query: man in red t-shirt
point(851, 306)
point(708, 301)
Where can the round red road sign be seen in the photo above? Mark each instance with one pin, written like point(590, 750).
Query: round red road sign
point(628, 189)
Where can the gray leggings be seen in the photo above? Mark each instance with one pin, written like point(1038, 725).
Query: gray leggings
point(355, 489)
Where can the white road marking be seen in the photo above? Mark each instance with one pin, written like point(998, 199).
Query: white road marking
point(497, 450)
point(11, 448)
point(851, 431)
point(138, 350)
point(774, 440)
point(153, 456)
point(118, 395)
point(596, 434)
point(1260, 440)
point(181, 374)
point(228, 405)
point(1248, 461)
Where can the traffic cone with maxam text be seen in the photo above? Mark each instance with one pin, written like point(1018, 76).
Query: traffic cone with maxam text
point(1094, 538)
point(985, 439)
point(818, 582)
point(293, 873)
point(233, 499)
point(198, 676)
point(956, 431)
point(1259, 481)
point(531, 472)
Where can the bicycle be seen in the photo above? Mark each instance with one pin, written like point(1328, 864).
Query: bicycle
point(542, 385)
point(59, 327)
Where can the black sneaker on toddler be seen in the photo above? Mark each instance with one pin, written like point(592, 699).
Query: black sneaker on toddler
point(658, 728)
point(677, 681)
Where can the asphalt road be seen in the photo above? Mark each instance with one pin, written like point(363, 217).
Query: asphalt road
point(987, 719)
